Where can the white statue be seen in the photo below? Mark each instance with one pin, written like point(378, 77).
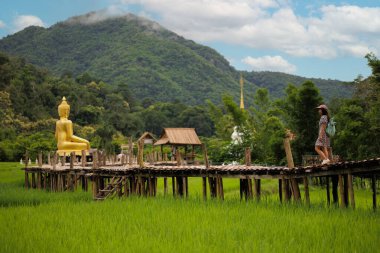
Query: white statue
point(236, 136)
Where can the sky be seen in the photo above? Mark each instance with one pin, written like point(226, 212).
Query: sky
point(314, 39)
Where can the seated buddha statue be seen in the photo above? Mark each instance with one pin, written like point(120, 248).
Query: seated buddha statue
point(67, 142)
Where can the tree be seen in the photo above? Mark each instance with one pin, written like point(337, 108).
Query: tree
point(300, 104)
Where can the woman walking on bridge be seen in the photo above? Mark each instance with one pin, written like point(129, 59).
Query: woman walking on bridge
point(323, 142)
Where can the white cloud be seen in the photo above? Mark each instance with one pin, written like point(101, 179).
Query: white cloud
point(329, 32)
point(93, 17)
point(2, 24)
point(270, 63)
point(23, 21)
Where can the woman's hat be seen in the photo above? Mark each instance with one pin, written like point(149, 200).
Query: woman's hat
point(322, 107)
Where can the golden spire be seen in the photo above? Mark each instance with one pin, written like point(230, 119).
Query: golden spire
point(241, 92)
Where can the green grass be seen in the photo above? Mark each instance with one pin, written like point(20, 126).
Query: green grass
point(38, 221)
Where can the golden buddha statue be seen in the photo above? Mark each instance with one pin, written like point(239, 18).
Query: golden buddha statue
point(67, 142)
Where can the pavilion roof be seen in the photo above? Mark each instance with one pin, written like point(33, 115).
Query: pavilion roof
point(179, 136)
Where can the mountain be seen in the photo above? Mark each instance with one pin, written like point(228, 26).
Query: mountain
point(154, 62)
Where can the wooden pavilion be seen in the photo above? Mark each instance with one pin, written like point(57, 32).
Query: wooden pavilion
point(180, 137)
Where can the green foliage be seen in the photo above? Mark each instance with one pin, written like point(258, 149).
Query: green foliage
point(358, 129)
point(301, 117)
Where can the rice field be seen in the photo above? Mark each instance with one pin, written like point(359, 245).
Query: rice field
point(38, 221)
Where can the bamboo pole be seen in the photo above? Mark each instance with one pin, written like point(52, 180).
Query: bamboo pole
point(293, 181)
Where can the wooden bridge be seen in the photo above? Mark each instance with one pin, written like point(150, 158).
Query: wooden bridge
point(111, 179)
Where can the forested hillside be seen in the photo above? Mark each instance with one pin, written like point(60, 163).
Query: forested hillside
point(154, 62)
point(107, 114)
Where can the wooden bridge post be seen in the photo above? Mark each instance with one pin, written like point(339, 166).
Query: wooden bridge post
point(33, 180)
point(280, 189)
point(83, 158)
point(373, 186)
point(94, 186)
point(341, 191)
point(55, 160)
point(257, 189)
point(63, 158)
point(165, 186)
point(285, 189)
point(249, 186)
point(205, 156)
point(174, 186)
point(39, 179)
point(328, 190)
point(40, 159)
point(178, 158)
point(204, 188)
point(130, 151)
point(26, 179)
point(140, 153)
point(351, 190)
point(293, 181)
point(306, 186)
point(49, 158)
point(72, 157)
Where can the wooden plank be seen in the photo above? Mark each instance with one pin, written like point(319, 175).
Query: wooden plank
point(351, 190)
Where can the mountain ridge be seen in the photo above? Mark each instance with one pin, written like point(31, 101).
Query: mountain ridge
point(149, 58)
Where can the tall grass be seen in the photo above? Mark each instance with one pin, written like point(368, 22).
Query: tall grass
point(38, 221)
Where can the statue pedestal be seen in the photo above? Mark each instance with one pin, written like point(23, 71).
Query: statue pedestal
point(68, 152)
